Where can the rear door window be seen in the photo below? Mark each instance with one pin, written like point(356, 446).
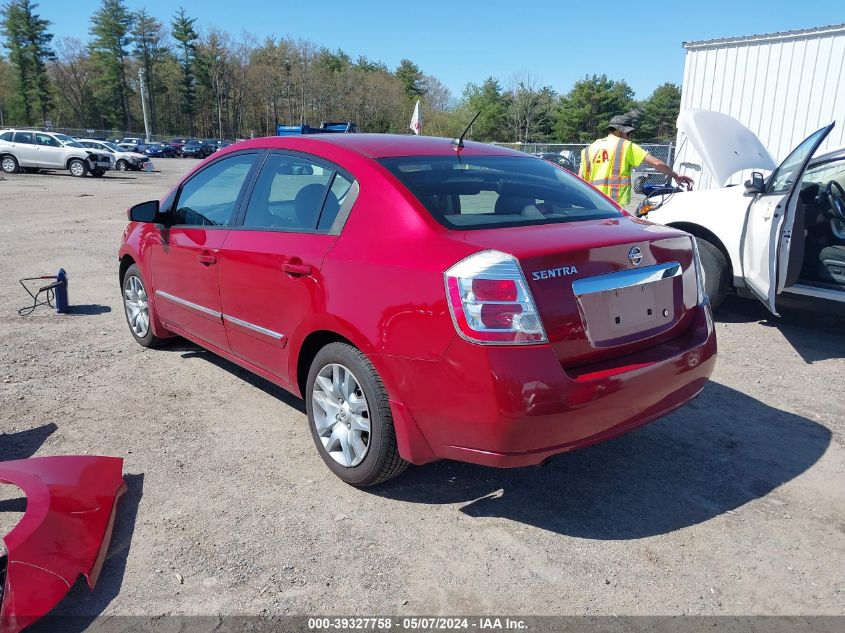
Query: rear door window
point(475, 192)
point(24, 137)
point(289, 194)
point(47, 141)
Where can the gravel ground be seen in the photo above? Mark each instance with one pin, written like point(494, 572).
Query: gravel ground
point(733, 505)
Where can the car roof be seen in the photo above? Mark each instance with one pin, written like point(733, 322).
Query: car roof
point(382, 145)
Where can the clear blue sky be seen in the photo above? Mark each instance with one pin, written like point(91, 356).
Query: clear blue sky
point(458, 41)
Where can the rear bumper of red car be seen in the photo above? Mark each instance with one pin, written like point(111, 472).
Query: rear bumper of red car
point(518, 406)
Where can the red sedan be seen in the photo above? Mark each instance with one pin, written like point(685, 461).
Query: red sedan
point(427, 299)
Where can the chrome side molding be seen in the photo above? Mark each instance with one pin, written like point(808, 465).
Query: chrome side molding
point(219, 315)
point(188, 304)
point(254, 328)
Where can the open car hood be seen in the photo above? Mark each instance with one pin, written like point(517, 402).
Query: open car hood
point(725, 145)
point(64, 532)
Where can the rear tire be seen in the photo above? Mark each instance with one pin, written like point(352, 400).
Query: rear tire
point(77, 167)
point(9, 164)
point(717, 273)
point(381, 460)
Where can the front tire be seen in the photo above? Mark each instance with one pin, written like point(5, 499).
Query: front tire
point(77, 167)
point(137, 308)
point(97, 173)
point(122, 165)
point(9, 164)
point(349, 417)
point(717, 273)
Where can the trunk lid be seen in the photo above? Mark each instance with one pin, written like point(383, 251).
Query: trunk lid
point(603, 288)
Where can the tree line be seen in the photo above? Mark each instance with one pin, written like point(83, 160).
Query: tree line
point(204, 82)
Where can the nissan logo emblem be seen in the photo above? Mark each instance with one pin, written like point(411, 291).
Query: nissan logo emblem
point(635, 255)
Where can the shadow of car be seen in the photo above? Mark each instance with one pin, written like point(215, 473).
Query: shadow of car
point(720, 452)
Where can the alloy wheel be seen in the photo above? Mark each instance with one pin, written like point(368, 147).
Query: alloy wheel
point(8, 165)
point(341, 415)
point(137, 308)
point(77, 168)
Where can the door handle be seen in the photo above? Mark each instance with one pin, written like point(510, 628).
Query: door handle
point(207, 259)
point(296, 269)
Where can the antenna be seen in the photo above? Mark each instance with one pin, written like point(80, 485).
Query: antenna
point(458, 143)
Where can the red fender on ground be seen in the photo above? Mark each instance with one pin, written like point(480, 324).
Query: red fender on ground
point(64, 532)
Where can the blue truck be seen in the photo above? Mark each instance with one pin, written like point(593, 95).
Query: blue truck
point(327, 127)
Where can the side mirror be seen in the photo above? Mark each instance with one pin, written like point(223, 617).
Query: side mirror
point(144, 212)
point(755, 185)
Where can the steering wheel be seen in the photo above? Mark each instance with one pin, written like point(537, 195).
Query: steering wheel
point(836, 195)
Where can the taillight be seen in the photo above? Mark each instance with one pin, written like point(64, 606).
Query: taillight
point(699, 272)
point(490, 301)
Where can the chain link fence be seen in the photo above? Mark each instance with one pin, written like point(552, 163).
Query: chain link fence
point(106, 134)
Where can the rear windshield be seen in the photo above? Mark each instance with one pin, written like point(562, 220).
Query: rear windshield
point(475, 192)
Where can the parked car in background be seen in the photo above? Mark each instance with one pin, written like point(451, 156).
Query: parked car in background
point(779, 234)
point(208, 147)
point(123, 160)
point(558, 158)
point(427, 300)
point(177, 144)
point(159, 150)
point(133, 144)
point(192, 149)
point(33, 149)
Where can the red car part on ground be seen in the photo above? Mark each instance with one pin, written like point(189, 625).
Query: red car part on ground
point(64, 532)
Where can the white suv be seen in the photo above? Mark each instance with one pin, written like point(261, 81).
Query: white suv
point(32, 149)
point(133, 144)
point(123, 159)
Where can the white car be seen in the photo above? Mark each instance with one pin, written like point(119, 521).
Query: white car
point(33, 149)
point(122, 159)
point(784, 233)
point(133, 144)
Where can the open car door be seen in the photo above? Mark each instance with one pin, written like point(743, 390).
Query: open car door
point(767, 234)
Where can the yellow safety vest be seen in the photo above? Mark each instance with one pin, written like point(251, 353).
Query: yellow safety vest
point(607, 165)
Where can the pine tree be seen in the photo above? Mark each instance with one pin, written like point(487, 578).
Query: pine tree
point(150, 50)
point(110, 30)
point(660, 112)
point(411, 77)
point(585, 111)
point(182, 30)
point(491, 104)
point(28, 41)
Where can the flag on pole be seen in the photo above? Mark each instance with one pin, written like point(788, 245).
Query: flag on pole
point(416, 120)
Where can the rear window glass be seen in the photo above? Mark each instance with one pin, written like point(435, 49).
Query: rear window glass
point(475, 192)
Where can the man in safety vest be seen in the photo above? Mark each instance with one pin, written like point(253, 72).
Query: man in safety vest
point(608, 162)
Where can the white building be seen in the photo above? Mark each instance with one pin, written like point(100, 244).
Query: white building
point(782, 86)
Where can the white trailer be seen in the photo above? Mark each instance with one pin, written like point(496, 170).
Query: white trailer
point(782, 86)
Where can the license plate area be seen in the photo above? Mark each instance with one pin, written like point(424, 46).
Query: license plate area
point(619, 306)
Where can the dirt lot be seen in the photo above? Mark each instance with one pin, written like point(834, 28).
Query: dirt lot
point(733, 505)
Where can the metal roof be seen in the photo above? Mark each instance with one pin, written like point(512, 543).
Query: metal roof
point(819, 31)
